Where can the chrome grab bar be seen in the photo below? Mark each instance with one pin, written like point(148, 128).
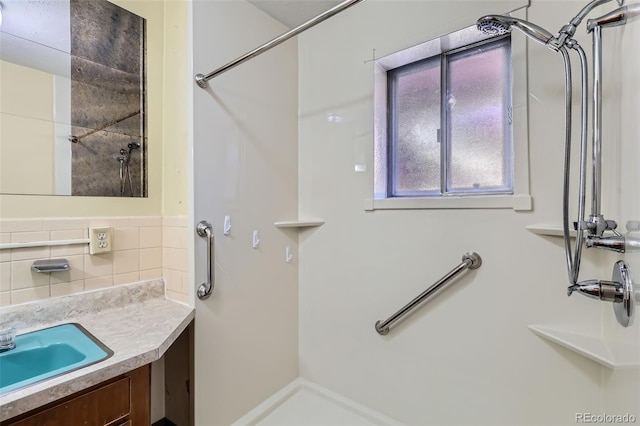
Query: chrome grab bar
point(204, 230)
point(470, 260)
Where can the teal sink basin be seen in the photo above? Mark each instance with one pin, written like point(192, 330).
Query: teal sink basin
point(49, 352)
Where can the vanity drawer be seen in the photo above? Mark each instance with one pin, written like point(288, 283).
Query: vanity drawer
point(122, 401)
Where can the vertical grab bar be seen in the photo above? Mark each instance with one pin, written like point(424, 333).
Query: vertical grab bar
point(469, 261)
point(204, 230)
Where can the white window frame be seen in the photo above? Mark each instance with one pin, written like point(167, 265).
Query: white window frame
point(521, 198)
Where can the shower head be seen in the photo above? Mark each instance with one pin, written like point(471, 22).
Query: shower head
point(502, 24)
point(620, 16)
point(489, 25)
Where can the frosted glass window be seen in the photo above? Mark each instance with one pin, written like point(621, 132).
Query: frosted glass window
point(414, 126)
point(478, 114)
point(449, 123)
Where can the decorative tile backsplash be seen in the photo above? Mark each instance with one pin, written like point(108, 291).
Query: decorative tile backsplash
point(143, 248)
point(175, 257)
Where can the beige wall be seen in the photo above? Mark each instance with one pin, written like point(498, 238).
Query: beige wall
point(177, 81)
point(26, 119)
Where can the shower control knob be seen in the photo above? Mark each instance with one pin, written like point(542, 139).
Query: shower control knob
point(620, 290)
point(611, 224)
point(607, 291)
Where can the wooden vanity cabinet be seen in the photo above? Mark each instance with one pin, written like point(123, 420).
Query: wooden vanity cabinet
point(121, 401)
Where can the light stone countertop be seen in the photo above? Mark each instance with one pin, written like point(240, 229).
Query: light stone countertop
point(135, 321)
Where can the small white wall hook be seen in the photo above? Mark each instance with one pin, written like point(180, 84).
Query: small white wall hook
point(227, 225)
point(256, 239)
point(287, 255)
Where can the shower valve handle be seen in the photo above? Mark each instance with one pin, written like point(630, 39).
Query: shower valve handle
point(607, 291)
point(620, 290)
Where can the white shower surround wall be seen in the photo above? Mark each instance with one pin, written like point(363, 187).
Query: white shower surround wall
point(465, 358)
point(471, 344)
point(245, 155)
point(621, 387)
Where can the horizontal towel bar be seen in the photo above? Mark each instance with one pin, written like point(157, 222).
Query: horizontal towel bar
point(44, 243)
point(470, 260)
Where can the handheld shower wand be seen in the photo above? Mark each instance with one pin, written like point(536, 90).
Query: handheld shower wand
point(620, 289)
point(125, 171)
point(502, 24)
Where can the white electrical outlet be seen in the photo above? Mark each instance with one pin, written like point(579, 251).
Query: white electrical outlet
point(100, 240)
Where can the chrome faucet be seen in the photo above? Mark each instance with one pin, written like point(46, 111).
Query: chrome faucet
point(617, 242)
point(608, 291)
point(620, 290)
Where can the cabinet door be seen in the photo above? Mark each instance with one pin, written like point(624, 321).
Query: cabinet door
point(125, 401)
point(102, 406)
point(140, 396)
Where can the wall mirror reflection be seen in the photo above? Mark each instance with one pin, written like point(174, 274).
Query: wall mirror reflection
point(72, 99)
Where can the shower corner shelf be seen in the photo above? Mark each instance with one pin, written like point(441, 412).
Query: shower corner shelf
point(549, 230)
point(306, 223)
point(609, 354)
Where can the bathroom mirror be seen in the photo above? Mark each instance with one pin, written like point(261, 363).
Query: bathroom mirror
point(72, 99)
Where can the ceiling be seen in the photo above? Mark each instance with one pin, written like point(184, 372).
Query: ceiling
point(293, 12)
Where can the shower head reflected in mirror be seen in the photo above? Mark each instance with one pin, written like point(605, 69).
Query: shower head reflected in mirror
point(124, 170)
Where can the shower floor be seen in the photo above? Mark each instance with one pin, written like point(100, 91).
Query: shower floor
point(303, 403)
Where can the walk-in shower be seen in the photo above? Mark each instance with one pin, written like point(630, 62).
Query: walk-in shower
point(600, 232)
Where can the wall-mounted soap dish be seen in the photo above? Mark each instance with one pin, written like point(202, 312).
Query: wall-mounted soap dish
point(50, 265)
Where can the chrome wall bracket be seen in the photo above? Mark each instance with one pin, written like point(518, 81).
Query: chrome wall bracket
point(201, 81)
point(624, 308)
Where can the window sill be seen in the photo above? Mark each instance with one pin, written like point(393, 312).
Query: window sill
point(520, 202)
